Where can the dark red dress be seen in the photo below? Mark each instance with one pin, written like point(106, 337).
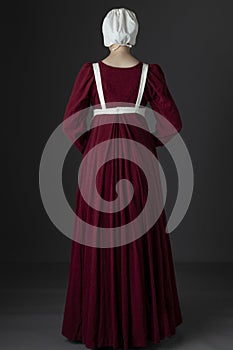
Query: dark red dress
point(122, 296)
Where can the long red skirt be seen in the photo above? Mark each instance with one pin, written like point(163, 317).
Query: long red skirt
point(122, 296)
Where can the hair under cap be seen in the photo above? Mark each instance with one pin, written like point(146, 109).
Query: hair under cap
point(120, 26)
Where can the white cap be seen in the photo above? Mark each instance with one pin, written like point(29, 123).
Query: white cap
point(120, 26)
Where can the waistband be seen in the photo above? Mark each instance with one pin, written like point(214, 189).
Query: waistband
point(120, 110)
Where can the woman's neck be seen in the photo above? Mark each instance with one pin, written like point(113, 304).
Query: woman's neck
point(120, 57)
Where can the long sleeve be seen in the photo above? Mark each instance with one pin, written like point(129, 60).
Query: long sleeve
point(168, 119)
point(76, 111)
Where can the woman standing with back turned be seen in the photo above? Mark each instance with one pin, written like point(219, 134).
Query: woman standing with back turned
point(124, 295)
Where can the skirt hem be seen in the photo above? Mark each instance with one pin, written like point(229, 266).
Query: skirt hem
point(123, 344)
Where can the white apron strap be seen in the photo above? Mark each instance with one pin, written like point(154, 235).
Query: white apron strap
point(142, 84)
point(99, 84)
point(100, 88)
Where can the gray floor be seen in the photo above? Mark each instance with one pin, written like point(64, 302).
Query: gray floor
point(32, 301)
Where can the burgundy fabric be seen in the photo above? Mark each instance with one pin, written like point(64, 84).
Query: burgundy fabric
point(124, 296)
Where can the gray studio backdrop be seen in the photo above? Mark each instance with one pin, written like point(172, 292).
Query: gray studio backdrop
point(47, 43)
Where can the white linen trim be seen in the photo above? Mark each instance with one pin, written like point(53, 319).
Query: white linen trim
point(142, 84)
point(98, 84)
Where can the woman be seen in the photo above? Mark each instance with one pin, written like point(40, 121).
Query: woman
point(122, 295)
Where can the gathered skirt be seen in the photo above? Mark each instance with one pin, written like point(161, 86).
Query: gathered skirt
point(121, 296)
